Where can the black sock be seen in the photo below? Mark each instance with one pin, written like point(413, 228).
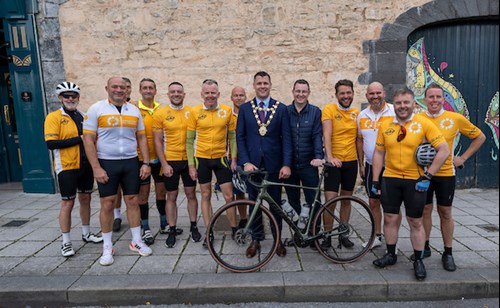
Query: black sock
point(418, 254)
point(379, 235)
point(427, 247)
point(447, 251)
point(391, 249)
point(193, 224)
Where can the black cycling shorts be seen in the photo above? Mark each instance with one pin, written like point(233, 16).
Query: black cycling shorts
point(71, 181)
point(155, 172)
point(343, 177)
point(396, 191)
point(124, 172)
point(369, 181)
point(220, 166)
point(181, 170)
point(444, 189)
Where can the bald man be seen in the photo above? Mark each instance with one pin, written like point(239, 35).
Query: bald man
point(368, 123)
point(116, 164)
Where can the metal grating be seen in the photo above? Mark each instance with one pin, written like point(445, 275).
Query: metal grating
point(15, 223)
point(489, 228)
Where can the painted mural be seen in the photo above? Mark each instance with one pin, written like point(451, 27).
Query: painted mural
point(492, 121)
point(420, 74)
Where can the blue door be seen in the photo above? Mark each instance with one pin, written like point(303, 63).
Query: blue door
point(462, 58)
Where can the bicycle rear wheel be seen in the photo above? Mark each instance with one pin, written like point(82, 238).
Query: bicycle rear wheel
point(229, 250)
point(347, 241)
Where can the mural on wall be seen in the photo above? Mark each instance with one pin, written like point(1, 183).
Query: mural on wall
point(492, 121)
point(420, 75)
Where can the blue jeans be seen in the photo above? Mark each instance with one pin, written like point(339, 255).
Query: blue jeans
point(309, 177)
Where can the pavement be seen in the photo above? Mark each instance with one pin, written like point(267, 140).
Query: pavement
point(33, 272)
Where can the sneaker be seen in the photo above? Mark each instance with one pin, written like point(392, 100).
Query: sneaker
point(205, 243)
point(107, 256)
point(448, 263)
point(387, 260)
point(92, 238)
point(141, 248)
point(345, 241)
point(148, 238)
point(377, 242)
point(117, 224)
point(171, 240)
point(419, 269)
point(427, 253)
point(67, 250)
point(165, 230)
point(195, 234)
point(326, 244)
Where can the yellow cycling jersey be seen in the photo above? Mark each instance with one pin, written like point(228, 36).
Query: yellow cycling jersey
point(344, 131)
point(116, 131)
point(211, 127)
point(400, 159)
point(173, 124)
point(235, 119)
point(451, 124)
point(59, 126)
point(147, 117)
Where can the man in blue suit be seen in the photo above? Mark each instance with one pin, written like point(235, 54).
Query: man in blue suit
point(263, 137)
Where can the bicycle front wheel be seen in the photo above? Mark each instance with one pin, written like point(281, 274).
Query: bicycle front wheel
point(347, 228)
point(228, 244)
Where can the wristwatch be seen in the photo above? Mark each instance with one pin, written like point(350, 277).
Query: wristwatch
point(428, 175)
point(147, 164)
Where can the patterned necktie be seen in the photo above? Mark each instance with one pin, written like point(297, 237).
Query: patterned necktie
point(262, 114)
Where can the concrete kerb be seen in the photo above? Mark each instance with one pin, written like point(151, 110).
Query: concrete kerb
point(351, 286)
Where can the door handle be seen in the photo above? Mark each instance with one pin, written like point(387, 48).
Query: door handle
point(6, 114)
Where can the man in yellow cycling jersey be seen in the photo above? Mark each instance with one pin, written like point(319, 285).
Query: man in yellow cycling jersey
point(169, 133)
point(339, 136)
point(148, 107)
point(213, 125)
point(443, 182)
point(403, 179)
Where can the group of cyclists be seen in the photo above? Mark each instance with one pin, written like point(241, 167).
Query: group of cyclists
point(119, 139)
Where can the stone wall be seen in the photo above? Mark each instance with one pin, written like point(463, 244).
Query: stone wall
point(188, 41)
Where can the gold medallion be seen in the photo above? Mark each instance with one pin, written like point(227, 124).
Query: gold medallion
point(262, 131)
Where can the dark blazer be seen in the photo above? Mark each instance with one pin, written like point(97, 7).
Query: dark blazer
point(272, 151)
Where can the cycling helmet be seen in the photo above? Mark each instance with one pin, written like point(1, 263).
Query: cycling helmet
point(239, 183)
point(67, 86)
point(425, 154)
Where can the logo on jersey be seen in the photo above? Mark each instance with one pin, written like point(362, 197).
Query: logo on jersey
point(353, 115)
point(186, 114)
point(113, 121)
point(202, 116)
point(389, 131)
point(338, 117)
point(64, 121)
point(446, 123)
point(415, 127)
point(222, 113)
point(170, 118)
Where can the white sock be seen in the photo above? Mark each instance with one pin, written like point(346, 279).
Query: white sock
point(85, 229)
point(66, 237)
point(107, 240)
point(117, 213)
point(136, 234)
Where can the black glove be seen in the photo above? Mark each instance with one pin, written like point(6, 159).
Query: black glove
point(376, 188)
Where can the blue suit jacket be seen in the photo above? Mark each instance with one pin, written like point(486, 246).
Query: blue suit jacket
point(272, 151)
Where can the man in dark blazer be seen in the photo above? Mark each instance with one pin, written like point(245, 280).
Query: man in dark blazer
point(264, 140)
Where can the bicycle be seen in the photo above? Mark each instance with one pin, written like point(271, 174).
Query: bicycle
point(229, 250)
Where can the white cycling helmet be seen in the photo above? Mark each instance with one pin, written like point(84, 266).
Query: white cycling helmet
point(425, 154)
point(239, 183)
point(67, 86)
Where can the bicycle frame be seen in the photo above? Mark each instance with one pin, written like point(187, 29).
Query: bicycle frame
point(263, 195)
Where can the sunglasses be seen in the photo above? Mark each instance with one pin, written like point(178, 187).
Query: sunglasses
point(69, 95)
point(401, 134)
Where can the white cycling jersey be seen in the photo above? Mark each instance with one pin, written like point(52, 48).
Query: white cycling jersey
point(116, 131)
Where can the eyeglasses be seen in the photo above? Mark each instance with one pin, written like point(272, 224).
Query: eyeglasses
point(401, 134)
point(64, 95)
